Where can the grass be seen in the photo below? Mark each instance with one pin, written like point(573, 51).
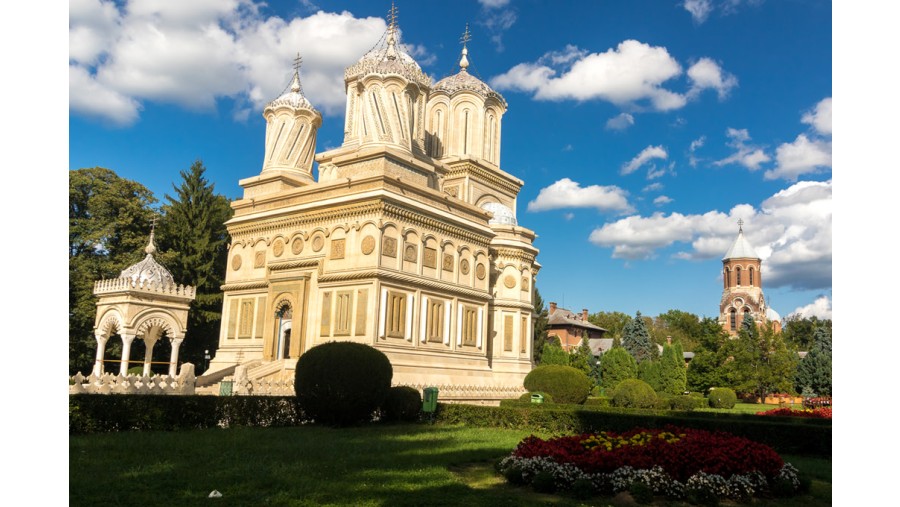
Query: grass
point(371, 465)
point(744, 408)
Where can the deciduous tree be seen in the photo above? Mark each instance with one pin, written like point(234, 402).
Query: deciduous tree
point(761, 361)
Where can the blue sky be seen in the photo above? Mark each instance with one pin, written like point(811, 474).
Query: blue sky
point(643, 130)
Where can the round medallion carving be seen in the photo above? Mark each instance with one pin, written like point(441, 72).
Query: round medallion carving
point(297, 246)
point(278, 248)
point(508, 280)
point(479, 272)
point(464, 266)
point(318, 243)
point(368, 245)
point(236, 262)
point(409, 253)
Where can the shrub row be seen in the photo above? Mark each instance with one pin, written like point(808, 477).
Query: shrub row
point(795, 436)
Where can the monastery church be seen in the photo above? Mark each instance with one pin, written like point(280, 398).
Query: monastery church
point(742, 295)
point(407, 241)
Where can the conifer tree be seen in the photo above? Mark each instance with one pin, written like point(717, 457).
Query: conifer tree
point(762, 362)
point(672, 373)
point(582, 357)
point(554, 353)
point(616, 365)
point(541, 322)
point(194, 245)
point(814, 370)
point(636, 340)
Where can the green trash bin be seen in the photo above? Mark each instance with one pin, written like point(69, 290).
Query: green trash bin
point(225, 387)
point(429, 399)
point(537, 398)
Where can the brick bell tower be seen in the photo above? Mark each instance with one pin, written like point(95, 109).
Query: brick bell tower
point(742, 297)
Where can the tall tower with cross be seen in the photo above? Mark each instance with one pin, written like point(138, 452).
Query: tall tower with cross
point(742, 294)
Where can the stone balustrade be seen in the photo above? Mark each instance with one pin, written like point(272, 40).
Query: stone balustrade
point(121, 284)
point(135, 384)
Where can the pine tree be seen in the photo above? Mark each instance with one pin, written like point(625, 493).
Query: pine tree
point(582, 357)
point(762, 362)
point(636, 340)
point(671, 369)
point(616, 365)
point(194, 244)
point(554, 353)
point(109, 224)
point(814, 370)
point(541, 322)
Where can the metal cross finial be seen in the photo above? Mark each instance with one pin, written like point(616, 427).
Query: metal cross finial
point(153, 224)
point(740, 225)
point(466, 36)
point(298, 62)
point(392, 15)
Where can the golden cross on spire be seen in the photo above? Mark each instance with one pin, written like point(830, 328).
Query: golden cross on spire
point(392, 16)
point(153, 224)
point(466, 36)
point(298, 62)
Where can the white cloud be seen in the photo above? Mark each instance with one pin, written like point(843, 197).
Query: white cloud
point(746, 155)
point(696, 144)
point(699, 9)
point(568, 147)
point(663, 199)
point(632, 73)
point(820, 308)
point(493, 4)
point(791, 232)
point(566, 193)
point(800, 157)
point(653, 187)
point(620, 122)
point(820, 117)
point(707, 74)
point(192, 53)
point(569, 216)
point(647, 154)
point(497, 19)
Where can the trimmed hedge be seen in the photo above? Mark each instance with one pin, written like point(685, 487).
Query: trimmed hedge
point(722, 397)
point(634, 393)
point(527, 397)
point(403, 403)
point(796, 436)
point(565, 383)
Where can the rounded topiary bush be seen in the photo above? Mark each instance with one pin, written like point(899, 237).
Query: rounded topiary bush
point(564, 383)
point(634, 393)
point(527, 397)
point(339, 383)
point(403, 403)
point(722, 397)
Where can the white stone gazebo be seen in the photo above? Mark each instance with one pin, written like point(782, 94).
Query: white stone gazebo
point(143, 302)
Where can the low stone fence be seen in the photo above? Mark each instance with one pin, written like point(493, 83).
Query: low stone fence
point(134, 384)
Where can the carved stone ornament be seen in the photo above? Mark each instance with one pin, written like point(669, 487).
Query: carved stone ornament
point(337, 248)
point(524, 283)
point(509, 281)
point(368, 245)
point(318, 243)
point(479, 272)
point(389, 246)
point(278, 248)
point(259, 259)
point(409, 253)
point(448, 262)
point(464, 266)
point(236, 262)
point(297, 246)
point(429, 257)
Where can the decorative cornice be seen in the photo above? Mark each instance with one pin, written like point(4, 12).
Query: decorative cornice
point(494, 178)
point(509, 303)
point(297, 263)
point(403, 278)
point(255, 284)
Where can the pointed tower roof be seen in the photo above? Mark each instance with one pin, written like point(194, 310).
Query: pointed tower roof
point(148, 270)
point(389, 57)
point(462, 80)
point(741, 248)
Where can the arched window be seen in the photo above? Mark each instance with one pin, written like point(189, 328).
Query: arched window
point(751, 277)
point(725, 277)
point(733, 319)
point(283, 317)
point(738, 275)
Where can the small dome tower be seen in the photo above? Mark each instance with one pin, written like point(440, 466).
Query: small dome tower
point(742, 295)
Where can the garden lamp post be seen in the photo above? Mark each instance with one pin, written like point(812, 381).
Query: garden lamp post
point(205, 359)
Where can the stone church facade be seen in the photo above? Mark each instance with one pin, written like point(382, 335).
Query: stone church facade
point(407, 241)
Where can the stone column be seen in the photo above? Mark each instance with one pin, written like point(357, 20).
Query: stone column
point(101, 348)
point(126, 353)
point(149, 342)
point(173, 365)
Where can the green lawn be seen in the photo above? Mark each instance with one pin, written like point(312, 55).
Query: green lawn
point(371, 465)
point(744, 408)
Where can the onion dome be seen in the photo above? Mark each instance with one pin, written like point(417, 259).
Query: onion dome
point(148, 271)
point(292, 98)
point(741, 249)
point(388, 58)
point(502, 214)
point(772, 315)
point(463, 81)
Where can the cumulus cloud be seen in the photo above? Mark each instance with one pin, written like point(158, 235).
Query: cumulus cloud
point(800, 157)
point(696, 144)
point(566, 193)
point(699, 9)
point(193, 53)
point(707, 74)
point(820, 308)
point(820, 117)
point(745, 154)
point(647, 154)
point(653, 187)
point(663, 199)
point(620, 122)
point(791, 232)
point(497, 19)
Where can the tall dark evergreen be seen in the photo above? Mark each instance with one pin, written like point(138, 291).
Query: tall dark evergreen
point(194, 245)
point(814, 370)
point(762, 362)
point(582, 357)
point(109, 224)
point(541, 323)
point(636, 340)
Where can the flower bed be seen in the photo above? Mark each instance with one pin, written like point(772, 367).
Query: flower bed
point(674, 462)
point(816, 413)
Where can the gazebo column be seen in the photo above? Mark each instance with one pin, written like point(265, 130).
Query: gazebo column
point(173, 365)
point(126, 353)
point(150, 339)
point(101, 348)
